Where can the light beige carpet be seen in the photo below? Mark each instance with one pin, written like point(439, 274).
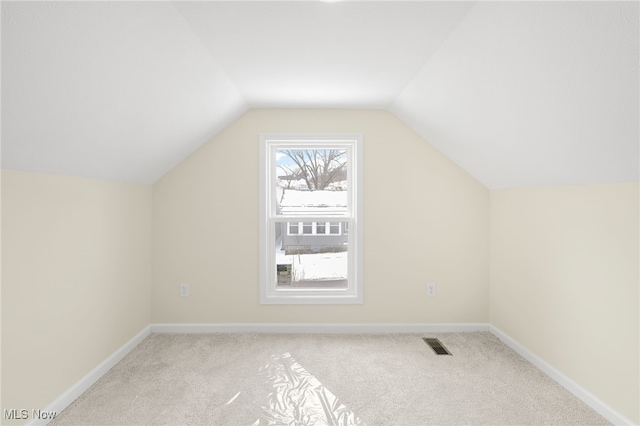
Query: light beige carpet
point(391, 379)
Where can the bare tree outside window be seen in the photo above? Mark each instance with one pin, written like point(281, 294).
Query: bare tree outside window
point(319, 168)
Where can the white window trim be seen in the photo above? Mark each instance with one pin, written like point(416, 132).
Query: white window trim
point(269, 293)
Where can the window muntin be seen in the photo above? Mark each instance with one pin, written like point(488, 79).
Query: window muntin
point(311, 259)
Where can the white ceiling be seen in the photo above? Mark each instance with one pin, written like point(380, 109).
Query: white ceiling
point(518, 94)
point(316, 54)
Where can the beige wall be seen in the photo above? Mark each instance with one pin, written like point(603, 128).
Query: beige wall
point(76, 279)
point(564, 283)
point(424, 220)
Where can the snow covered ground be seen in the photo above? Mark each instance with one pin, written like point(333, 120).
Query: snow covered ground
point(316, 266)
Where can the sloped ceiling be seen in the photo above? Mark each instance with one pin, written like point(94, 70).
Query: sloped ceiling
point(112, 90)
point(534, 94)
point(518, 94)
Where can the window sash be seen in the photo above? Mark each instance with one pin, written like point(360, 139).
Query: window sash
point(310, 145)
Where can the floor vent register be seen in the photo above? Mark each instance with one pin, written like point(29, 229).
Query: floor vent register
point(437, 346)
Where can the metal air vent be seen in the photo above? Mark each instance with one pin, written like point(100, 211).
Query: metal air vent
point(437, 346)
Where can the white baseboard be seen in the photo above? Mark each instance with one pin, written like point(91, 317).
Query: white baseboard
point(588, 398)
point(350, 328)
point(88, 380)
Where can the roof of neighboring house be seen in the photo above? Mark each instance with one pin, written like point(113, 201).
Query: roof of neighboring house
point(313, 202)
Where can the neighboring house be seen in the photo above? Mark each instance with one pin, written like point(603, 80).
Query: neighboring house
point(313, 237)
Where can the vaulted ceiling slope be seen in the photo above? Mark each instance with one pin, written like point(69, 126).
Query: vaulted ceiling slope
point(518, 94)
point(534, 94)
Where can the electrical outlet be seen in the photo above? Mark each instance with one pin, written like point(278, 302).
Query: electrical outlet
point(184, 290)
point(431, 289)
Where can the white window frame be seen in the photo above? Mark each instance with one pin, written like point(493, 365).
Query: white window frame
point(269, 291)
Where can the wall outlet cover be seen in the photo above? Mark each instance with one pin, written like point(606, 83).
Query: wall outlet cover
point(184, 290)
point(431, 289)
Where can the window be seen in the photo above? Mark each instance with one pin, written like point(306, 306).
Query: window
point(307, 228)
point(334, 228)
point(293, 228)
point(310, 194)
point(315, 228)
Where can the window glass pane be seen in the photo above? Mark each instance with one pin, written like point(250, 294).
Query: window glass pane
point(310, 261)
point(293, 228)
point(311, 182)
point(334, 228)
point(321, 228)
point(307, 228)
